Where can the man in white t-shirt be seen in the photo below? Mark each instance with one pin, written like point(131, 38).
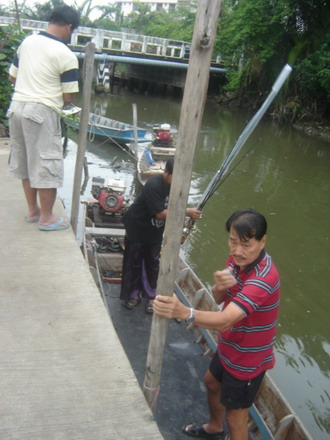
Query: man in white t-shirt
point(45, 74)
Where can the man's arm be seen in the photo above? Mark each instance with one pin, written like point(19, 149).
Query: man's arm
point(12, 79)
point(67, 98)
point(171, 307)
point(190, 212)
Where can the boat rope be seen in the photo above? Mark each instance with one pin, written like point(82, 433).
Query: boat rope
point(108, 138)
point(91, 135)
point(156, 392)
point(218, 178)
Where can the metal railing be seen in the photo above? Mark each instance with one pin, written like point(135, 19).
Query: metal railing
point(107, 41)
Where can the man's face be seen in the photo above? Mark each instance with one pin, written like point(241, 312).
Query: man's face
point(244, 252)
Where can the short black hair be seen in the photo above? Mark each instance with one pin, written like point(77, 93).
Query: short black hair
point(169, 166)
point(63, 15)
point(247, 223)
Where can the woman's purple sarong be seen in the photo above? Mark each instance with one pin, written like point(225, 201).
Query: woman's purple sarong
point(140, 269)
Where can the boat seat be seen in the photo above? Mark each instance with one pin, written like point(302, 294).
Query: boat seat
point(95, 232)
point(162, 150)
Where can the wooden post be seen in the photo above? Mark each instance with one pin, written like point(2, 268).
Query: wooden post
point(112, 76)
point(88, 71)
point(135, 131)
point(190, 122)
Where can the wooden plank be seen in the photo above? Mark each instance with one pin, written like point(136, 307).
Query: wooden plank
point(135, 144)
point(190, 122)
point(82, 139)
point(110, 261)
point(98, 232)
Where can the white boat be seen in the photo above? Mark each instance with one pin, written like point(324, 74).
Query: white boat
point(152, 161)
point(153, 158)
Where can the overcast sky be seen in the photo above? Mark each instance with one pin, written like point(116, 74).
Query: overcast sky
point(68, 2)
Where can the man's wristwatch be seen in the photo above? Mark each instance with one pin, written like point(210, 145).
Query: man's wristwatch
point(191, 318)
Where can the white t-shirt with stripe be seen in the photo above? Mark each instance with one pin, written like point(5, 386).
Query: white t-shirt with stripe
point(44, 68)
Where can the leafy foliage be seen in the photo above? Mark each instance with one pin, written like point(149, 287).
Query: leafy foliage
point(177, 24)
point(256, 38)
point(313, 75)
point(39, 11)
point(10, 38)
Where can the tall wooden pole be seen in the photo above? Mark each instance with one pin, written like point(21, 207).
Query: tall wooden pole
point(190, 122)
point(135, 131)
point(88, 71)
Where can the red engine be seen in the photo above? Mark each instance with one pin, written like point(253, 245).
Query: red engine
point(164, 136)
point(110, 196)
point(110, 200)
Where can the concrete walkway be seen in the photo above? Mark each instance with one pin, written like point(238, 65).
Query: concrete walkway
point(63, 372)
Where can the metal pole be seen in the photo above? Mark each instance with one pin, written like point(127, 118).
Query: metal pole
point(146, 62)
point(190, 122)
point(88, 71)
point(247, 131)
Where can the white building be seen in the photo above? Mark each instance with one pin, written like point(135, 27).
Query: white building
point(155, 5)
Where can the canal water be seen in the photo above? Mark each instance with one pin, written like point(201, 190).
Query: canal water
point(282, 173)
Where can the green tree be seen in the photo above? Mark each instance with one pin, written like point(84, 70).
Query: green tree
point(256, 38)
point(110, 18)
point(10, 38)
point(313, 79)
point(177, 24)
point(138, 19)
point(39, 11)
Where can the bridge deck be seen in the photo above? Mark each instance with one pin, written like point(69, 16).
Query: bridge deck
point(64, 374)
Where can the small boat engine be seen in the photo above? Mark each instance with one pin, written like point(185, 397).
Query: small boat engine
point(162, 134)
point(110, 196)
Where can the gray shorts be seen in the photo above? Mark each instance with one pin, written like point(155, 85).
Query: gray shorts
point(36, 146)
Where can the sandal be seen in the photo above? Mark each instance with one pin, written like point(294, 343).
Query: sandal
point(149, 306)
point(132, 302)
point(194, 430)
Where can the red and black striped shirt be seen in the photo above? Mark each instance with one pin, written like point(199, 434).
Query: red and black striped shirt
point(246, 349)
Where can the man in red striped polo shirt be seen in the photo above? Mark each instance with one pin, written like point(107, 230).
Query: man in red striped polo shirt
point(249, 289)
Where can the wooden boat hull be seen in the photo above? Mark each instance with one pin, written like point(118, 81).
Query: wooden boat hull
point(103, 244)
point(152, 161)
point(271, 417)
point(114, 131)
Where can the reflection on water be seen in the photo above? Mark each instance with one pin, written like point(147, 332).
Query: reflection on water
point(295, 358)
point(285, 175)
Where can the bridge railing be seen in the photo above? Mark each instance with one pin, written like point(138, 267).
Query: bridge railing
point(112, 41)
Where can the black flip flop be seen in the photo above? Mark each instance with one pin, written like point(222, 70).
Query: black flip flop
point(149, 306)
point(198, 431)
point(132, 302)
